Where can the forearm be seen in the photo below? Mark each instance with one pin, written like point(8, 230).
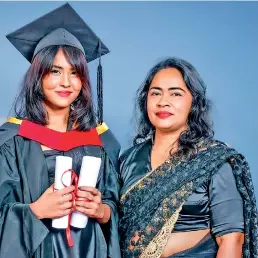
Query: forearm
point(230, 245)
point(229, 251)
point(106, 214)
point(35, 210)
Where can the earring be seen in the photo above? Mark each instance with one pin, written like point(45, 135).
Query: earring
point(72, 107)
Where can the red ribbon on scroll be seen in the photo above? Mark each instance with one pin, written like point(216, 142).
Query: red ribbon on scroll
point(74, 181)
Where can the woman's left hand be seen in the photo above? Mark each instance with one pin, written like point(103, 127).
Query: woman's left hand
point(89, 202)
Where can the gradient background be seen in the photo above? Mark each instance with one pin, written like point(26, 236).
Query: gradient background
point(219, 38)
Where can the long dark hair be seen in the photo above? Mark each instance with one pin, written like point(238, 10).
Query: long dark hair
point(199, 125)
point(29, 103)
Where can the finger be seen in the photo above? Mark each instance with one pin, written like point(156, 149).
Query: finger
point(80, 209)
point(87, 205)
point(80, 203)
point(97, 199)
point(84, 194)
point(98, 193)
point(61, 199)
point(50, 189)
point(90, 189)
point(64, 198)
point(82, 199)
point(66, 190)
point(88, 212)
point(91, 205)
point(64, 212)
point(67, 197)
point(66, 205)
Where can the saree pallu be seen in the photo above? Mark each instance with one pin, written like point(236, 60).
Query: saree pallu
point(150, 208)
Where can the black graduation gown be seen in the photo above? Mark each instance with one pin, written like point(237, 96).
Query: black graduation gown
point(23, 179)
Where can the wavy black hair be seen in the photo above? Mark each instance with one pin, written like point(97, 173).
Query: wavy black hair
point(199, 124)
point(29, 103)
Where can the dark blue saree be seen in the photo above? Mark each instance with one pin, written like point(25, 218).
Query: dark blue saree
point(150, 207)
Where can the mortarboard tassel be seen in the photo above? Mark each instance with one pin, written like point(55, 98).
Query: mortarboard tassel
point(100, 89)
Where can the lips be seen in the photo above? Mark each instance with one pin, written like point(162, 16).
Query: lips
point(64, 93)
point(164, 114)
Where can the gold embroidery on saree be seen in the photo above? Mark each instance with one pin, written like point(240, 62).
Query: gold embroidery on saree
point(156, 246)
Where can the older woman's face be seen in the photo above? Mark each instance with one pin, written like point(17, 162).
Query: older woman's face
point(169, 101)
point(62, 85)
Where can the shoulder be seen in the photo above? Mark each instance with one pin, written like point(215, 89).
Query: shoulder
point(8, 131)
point(221, 143)
point(225, 152)
point(229, 157)
point(110, 143)
point(107, 137)
point(126, 153)
point(134, 150)
point(7, 148)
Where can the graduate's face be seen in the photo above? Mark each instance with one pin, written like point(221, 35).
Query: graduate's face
point(169, 101)
point(62, 85)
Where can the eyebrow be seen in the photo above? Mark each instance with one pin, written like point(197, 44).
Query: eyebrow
point(56, 66)
point(171, 88)
point(61, 68)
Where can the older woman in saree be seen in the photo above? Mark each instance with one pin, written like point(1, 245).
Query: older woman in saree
point(183, 193)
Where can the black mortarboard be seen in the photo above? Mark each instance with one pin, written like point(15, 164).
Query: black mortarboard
point(62, 26)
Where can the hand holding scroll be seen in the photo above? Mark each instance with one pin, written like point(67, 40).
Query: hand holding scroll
point(53, 204)
point(89, 202)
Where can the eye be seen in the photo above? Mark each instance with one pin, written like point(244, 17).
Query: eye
point(176, 94)
point(155, 93)
point(74, 73)
point(55, 71)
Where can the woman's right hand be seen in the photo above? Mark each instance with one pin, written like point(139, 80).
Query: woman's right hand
point(53, 204)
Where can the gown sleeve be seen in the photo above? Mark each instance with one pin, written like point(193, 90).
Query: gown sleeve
point(226, 203)
point(110, 196)
point(21, 232)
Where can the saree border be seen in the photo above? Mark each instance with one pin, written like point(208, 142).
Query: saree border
point(140, 180)
point(158, 243)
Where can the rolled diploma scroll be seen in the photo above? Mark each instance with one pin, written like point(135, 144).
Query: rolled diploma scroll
point(62, 164)
point(88, 177)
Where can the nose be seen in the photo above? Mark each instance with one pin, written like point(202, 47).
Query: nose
point(65, 81)
point(164, 101)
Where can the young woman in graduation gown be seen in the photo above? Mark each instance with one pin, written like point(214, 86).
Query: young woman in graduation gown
point(183, 193)
point(55, 116)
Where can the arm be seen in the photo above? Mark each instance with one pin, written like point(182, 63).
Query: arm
point(227, 219)
point(106, 214)
point(110, 198)
point(103, 205)
point(230, 245)
point(21, 232)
